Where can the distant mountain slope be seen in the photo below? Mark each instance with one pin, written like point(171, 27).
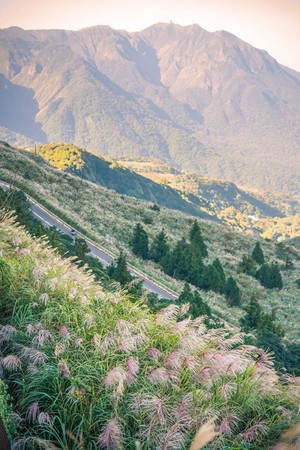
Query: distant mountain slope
point(114, 176)
point(260, 213)
point(159, 183)
point(206, 102)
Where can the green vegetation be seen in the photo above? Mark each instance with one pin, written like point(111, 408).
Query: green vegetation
point(5, 399)
point(109, 219)
point(270, 276)
point(257, 254)
point(139, 243)
point(266, 333)
point(87, 368)
point(93, 168)
point(185, 261)
point(273, 216)
point(232, 291)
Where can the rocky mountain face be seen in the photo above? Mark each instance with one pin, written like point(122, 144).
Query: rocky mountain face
point(204, 102)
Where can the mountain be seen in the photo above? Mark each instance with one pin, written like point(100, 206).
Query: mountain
point(202, 102)
point(190, 193)
point(257, 212)
point(110, 218)
point(111, 175)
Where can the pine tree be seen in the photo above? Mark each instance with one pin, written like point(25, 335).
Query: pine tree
point(55, 239)
point(270, 276)
point(210, 279)
point(139, 243)
point(252, 319)
point(119, 271)
point(269, 322)
point(218, 266)
point(81, 249)
point(195, 267)
point(160, 247)
point(186, 295)
point(247, 265)
point(17, 201)
point(199, 307)
point(178, 265)
point(275, 277)
point(257, 254)
point(197, 241)
point(232, 292)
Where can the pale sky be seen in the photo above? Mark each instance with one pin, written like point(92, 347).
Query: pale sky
point(273, 25)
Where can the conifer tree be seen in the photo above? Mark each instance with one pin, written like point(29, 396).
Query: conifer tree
point(270, 276)
point(199, 307)
point(263, 275)
point(257, 254)
point(275, 276)
point(210, 279)
point(247, 265)
point(197, 241)
point(218, 266)
point(252, 318)
point(186, 295)
point(195, 267)
point(55, 240)
point(160, 247)
point(139, 243)
point(178, 265)
point(81, 249)
point(119, 271)
point(232, 292)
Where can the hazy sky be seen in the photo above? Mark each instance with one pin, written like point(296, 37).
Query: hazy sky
point(273, 25)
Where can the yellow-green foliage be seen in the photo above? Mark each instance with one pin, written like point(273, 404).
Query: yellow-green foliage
point(92, 370)
point(62, 156)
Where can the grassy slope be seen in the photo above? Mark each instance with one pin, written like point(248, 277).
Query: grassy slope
point(268, 214)
point(79, 365)
point(110, 217)
point(114, 176)
point(254, 213)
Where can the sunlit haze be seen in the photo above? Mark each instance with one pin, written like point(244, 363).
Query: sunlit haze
point(273, 25)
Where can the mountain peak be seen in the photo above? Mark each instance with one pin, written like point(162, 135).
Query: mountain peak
point(201, 101)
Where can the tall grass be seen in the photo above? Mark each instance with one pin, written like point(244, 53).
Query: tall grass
point(92, 370)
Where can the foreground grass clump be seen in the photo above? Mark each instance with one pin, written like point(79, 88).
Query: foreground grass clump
point(92, 370)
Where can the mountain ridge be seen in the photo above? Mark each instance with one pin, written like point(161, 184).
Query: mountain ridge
point(204, 102)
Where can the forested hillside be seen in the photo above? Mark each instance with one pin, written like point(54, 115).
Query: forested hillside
point(110, 219)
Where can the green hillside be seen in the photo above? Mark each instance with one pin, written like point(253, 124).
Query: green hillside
point(110, 218)
point(262, 214)
point(114, 176)
point(88, 369)
point(271, 215)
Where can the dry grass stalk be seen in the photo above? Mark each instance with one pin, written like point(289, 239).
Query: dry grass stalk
point(204, 435)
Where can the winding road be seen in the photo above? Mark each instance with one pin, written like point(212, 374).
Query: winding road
point(106, 257)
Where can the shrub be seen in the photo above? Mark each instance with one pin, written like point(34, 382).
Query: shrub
point(6, 411)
